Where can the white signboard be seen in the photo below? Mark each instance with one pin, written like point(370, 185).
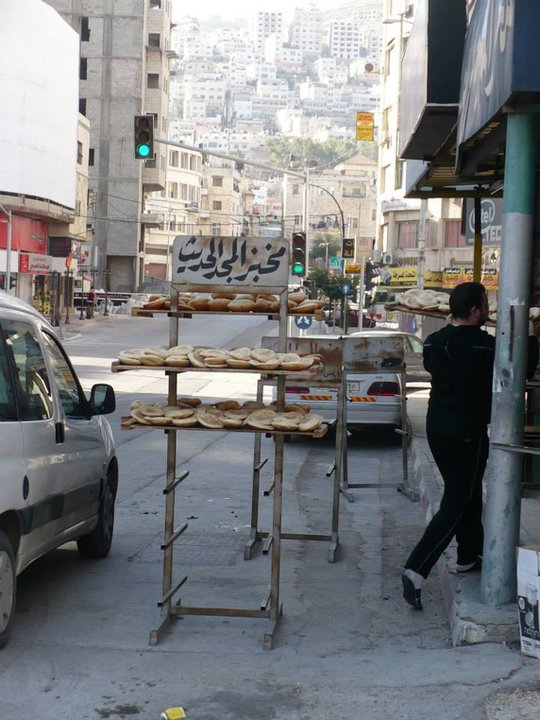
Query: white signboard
point(231, 262)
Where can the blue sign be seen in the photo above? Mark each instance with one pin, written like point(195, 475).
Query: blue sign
point(303, 322)
point(345, 289)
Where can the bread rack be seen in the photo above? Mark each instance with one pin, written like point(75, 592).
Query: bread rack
point(203, 264)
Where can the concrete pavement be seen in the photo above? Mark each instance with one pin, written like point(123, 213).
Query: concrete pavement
point(348, 646)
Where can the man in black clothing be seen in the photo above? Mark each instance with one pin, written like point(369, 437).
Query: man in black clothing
point(460, 359)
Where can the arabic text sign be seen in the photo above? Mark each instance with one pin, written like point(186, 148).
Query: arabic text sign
point(233, 262)
point(364, 126)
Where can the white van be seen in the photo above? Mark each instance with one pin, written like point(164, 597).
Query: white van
point(58, 469)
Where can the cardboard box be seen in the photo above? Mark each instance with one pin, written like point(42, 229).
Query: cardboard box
point(528, 590)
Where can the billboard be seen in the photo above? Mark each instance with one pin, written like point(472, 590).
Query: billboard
point(39, 81)
point(491, 217)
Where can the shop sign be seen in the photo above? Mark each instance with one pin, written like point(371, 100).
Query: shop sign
point(35, 264)
point(455, 275)
point(232, 262)
point(405, 276)
point(28, 235)
point(433, 279)
point(364, 126)
point(353, 268)
point(491, 221)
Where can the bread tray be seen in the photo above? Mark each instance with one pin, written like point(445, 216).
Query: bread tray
point(117, 367)
point(127, 423)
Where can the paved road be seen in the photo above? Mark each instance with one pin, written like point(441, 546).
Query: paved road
point(347, 647)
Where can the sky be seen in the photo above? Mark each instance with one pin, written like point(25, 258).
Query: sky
point(232, 9)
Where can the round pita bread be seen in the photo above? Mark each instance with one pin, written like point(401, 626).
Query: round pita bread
point(177, 361)
point(311, 423)
point(185, 422)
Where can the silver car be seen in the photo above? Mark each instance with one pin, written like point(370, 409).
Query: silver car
point(372, 398)
point(59, 473)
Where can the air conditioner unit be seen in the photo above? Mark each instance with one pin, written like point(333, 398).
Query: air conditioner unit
point(387, 258)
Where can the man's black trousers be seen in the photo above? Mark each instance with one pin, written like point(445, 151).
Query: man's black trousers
point(461, 462)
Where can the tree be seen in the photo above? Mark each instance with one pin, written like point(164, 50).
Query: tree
point(305, 152)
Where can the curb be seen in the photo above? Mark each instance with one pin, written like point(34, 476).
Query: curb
point(471, 622)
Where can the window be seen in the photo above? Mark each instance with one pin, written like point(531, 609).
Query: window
point(155, 4)
point(217, 205)
point(83, 68)
point(217, 181)
point(154, 40)
point(79, 153)
point(91, 154)
point(152, 80)
point(295, 189)
point(173, 158)
point(407, 234)
point(32, 379)
point(216, 229)
point(399, 174)
point(8, 407)
point(85, 29)
point(452, 234)
point(69, 392)
point(82, 106)
point(173, 190)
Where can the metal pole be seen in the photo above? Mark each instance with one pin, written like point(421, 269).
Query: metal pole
point(361, 293)
point(477, 262)
point(422, 242)
point(305, 217)
point(505, 471)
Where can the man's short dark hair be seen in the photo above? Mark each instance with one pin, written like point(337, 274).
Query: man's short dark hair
point(465, 297)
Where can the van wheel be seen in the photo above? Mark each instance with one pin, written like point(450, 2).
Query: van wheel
point(8, 588)
point(98, 543)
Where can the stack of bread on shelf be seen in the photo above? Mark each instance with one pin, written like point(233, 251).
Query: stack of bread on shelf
point(225, 415)
point(298, 303)
point(243, 358)
point(438, 302)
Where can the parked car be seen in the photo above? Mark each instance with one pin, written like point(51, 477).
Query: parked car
point(59, 473)
point(372, 398)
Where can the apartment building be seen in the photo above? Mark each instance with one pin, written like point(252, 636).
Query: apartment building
point(280, 55)
point(206, 91)
point(172, 211)
point(306, 30)
point(345, 39)
point(222, 209)
point(263, 24)
point(124, 70)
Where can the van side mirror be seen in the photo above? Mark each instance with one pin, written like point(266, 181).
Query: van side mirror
point(102, 399)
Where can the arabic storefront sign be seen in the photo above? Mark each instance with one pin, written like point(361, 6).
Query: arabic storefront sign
point(455, 275)
point(405, 276)
point(234, 262)
point(433, 279)
point(35, 264)
point(364, 126)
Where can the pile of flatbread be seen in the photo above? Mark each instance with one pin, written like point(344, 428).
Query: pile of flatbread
point(243, 358)
point(418, 299)
point(225, 415)
point(298, 303)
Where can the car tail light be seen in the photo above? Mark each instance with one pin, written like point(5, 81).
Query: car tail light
point(384, 388)
point(297, 390)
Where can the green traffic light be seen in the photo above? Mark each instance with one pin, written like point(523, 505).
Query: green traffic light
point(143, 151)
point(298, 268)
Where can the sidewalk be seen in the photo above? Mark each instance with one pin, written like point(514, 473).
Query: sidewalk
point(470, 621)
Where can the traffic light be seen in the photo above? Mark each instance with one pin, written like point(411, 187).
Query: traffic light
point(298, 255)
point(347, 250)
point(143, 137)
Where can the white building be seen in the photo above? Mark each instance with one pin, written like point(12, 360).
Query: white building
point(172, 211)
point(345, 39)
point(306, 30)
point(264, 24)
point(285, 56)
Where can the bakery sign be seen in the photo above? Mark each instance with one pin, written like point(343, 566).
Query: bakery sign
point(35, 264)
point(230, 262)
